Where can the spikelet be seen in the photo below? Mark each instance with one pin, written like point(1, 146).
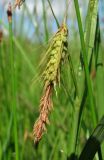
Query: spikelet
point(57, 54)
point(51, 76)
point(92, 2)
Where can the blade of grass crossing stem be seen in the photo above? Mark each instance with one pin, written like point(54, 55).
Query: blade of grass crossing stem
point(84, 54)
point(13, 90)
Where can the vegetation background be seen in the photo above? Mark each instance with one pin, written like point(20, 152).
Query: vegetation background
point(22, 48)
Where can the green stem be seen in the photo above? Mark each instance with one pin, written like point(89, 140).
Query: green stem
point(13, 90)
point(2, 66)
point(45, 21)
point(84, 54)
point(57, 23)
point(21, 50)
point(73, 132)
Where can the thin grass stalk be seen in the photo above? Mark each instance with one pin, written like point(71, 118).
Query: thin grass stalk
point(2, 66)
point(21, 50)
point(0, 151)
point(13, 82)
point(7, 139)
point(58, 135)
point(84, 54)
point(74, 125)
point(89, 35)
point(30, 16)
point(45, 21)
point(54, 147)
point(76, 116)
point(21, 24)
point(90, 28)
point(57, 23)
point(73, 75)
point(4, 75)
point(37, 28)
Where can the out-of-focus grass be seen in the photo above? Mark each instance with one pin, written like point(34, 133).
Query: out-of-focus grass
point(57, 143)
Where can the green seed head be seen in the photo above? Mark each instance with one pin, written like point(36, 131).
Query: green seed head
point(56, 56)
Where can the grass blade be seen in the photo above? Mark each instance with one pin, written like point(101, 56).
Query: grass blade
point(94, 142)
point(84, 54)
point(86, 50)
point(99, 74)
point(90, 28)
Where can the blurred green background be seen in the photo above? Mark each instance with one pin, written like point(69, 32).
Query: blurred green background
point(33, 26)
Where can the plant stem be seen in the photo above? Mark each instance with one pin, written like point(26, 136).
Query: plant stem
point(57, 23)
point(84, 54)
point(13, 90)
point(45, 21)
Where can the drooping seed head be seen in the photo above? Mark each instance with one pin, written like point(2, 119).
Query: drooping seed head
point(51, 77)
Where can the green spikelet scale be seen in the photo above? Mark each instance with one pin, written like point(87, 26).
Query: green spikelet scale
point(57, 54)
point(92, 2)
